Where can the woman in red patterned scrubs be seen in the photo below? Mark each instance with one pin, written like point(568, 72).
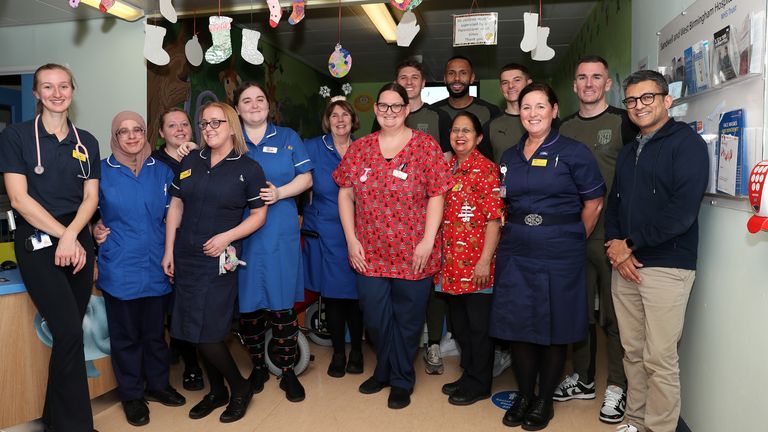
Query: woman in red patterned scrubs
point(471, 227)
point(392, 185)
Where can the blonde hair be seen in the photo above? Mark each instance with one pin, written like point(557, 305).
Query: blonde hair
point(36, 81)
point(233, 120)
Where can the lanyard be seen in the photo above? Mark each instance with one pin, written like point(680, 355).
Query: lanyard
point(79, 149)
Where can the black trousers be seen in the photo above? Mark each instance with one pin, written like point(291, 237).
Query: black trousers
point(61, 298)
point(140, 356)
point(470, 318)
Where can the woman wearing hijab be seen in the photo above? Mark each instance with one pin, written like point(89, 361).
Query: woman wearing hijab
point(133, 198)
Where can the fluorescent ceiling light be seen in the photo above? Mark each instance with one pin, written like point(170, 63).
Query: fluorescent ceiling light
point(120, 9)
point(382, 19)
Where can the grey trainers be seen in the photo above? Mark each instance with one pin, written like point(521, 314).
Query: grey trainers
point(572, 388)
point(502, 359)
point(614, 405)
point(433, 359)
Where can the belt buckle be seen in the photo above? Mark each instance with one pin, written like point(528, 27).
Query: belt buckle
point(533, 219)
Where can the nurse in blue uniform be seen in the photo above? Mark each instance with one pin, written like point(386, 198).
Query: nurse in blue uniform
point(326, 263)
point(273, 280)
point(132, 201)
point(215, 186)
point(553, 191)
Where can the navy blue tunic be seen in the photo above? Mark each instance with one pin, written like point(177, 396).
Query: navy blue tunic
point(214, 200)
point(540, 273)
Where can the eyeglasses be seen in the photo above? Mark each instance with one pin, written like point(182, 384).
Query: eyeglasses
point(124, 132)
point(395, 108)
point(465, 131)
point(214, 124)
point(645, 98)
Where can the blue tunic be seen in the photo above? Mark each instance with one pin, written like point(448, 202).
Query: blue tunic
point(326, 262)
point(540, 278)
point(273, 278)
point(134, 210)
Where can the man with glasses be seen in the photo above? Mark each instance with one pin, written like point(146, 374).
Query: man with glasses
point(605, 130)
point(652, 233)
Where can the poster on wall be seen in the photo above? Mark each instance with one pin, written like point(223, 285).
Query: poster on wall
point(475, 29)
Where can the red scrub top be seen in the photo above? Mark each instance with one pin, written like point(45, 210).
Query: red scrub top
point(391, 201)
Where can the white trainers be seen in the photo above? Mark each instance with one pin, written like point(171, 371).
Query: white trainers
point(448, 346)
point(572, 388)
point(434, 362)
point(627, 428)
point(614, 405)
point(502, 359)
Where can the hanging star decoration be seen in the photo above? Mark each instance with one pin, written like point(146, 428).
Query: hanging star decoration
point(325, 91)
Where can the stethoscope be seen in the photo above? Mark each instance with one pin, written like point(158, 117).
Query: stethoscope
point(80, 149)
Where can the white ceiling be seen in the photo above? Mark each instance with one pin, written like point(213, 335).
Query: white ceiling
point(313, 39)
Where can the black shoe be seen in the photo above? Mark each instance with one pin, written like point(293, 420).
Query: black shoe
point(336, 368)
point(168, 397)
point(209, 403)
point(539, 415)
point(193, 379)
point(257, 378)
point(237, 407)
point(294, 391)
point(463, 397)
point(451, 387)
point(355, 362)
point(515, 415)
point(371, 386)
point(399, 398)
point(136, 412)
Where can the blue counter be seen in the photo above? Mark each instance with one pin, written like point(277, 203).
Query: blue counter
point(14, 284)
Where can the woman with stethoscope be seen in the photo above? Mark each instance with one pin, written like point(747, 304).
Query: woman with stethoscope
point(51, 171)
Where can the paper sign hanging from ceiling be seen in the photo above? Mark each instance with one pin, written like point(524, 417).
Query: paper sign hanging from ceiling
point(475, 29)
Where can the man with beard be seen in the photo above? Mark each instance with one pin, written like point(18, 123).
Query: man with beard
point(458, 77)
point(505, 130)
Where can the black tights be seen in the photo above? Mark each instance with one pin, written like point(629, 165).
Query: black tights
point(220, 365)
point(544, 362)
point(340, 314)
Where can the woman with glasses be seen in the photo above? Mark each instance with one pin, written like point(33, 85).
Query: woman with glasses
point(204, 229)
point(392, 185)
point(471, 227)
point(326, 268)
point(132, 201)
point(51, 172)
point(553, 191)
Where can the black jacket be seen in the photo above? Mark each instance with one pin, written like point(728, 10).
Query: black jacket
point(655, 198)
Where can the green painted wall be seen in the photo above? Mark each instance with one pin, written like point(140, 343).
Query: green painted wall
point(607, 32)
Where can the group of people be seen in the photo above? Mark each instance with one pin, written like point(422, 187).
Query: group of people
point(510, 224)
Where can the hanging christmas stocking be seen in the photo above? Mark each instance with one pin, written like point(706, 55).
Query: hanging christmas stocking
point(297, 14)
point(167, 10)
point(153, 45)
point(530, 21)
point(104, 5)
point(274, 12)
point(222, 43)
point(542, 52)
point(250, 47)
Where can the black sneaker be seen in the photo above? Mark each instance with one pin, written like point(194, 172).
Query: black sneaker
point(168, 397)
point(290, 384)
point(136, 412)
point(355, 362)
point(336, 368)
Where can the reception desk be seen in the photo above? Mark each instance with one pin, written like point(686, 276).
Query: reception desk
point(24, 358)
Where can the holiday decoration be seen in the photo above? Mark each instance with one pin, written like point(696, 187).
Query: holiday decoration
point(346, 88)
point(105, 5)
point(297, 13)
point(530, 23)
point(407, 29)
point(153, 45)
point(194, 51)
point(250, 47)
point(167, 10)
point(757, 194)
point(542, 52)
point(405, 5)
point(222, 42)
point(74, 3)
point(274, 12)
point(325, 91)
point(340, 62)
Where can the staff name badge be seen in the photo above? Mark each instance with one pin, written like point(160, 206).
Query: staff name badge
point(185, 174)
point(80, 156)
point(399, 174)
point(268, 149)
point(539, 162)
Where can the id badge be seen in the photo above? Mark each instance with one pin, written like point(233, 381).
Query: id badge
point(38, 241)
point(399, 174)
point(503, 191)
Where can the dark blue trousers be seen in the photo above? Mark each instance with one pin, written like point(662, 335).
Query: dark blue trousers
point(140, 356)
point(393, 312)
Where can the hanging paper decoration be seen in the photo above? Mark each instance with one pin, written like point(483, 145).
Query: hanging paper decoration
point(535, 37)
point(325, 91)
point(105, 5)
point(194, 51)
point(297, 13)
point(346, 88)
point(542, 52)
point(153, 45)
point(167, 10)
point(340, 62)
point(407, 29)
point(405, 5)
point(275, 12)
point(222, 41)
point(250, 47)
point(530, 23)
point(74, 3)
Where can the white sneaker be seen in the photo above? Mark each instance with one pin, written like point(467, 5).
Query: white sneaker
point(572, 388)
point(448, 346)
point(614, 405)
point(434, 362)
point(627, 428)
point(502, 359)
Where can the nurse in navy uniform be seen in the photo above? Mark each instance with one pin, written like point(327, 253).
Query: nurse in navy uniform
point(553, 192)
point(210, 194)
